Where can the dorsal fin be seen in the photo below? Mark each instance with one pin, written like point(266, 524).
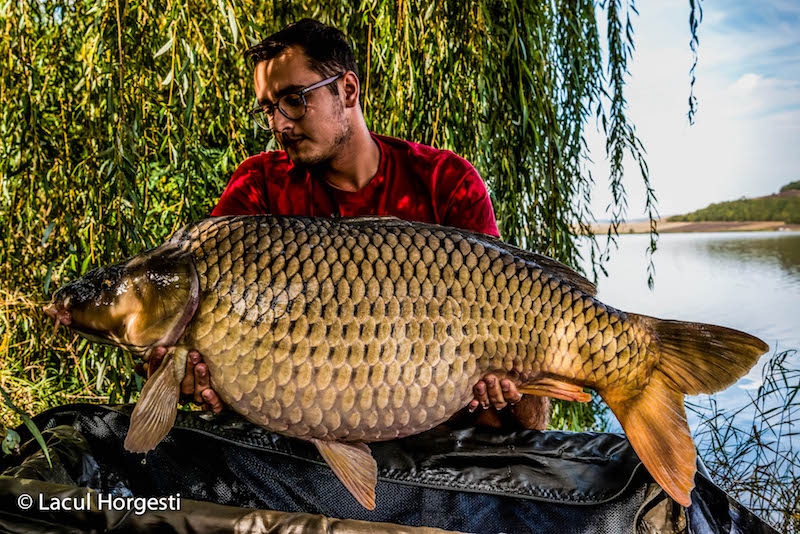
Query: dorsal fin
point(561, 271)
point(554, 267)
point(379, 220)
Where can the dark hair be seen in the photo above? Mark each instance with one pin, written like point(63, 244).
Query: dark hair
point(325, 46)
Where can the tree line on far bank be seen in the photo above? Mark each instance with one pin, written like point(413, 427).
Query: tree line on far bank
point(785, 207)
point(793, 186)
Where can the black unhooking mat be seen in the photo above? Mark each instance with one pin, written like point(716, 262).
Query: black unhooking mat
point(233, 476)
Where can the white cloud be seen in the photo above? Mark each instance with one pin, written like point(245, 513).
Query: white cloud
point(747, 83)
point(745, 139)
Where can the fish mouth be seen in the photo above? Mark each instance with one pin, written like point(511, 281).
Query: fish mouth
point(63, 316)
point(59, 312)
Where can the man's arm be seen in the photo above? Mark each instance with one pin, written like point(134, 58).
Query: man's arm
point(245, 193)
point(466, 200)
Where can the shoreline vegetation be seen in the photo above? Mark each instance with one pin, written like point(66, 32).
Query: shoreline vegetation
point(752, 452)
point(665, 226)
point(772, 213)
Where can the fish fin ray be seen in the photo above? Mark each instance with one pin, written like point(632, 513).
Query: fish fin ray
point(154, 414)
point(703, 358)
point(354, 466)
point(551, 387)
point(655, 424)
point(374, 220)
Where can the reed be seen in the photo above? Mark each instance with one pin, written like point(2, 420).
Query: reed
point(753, 452)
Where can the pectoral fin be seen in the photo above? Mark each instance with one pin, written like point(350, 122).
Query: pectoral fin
point(354, 466)
point(550, 387)
point(157, 408)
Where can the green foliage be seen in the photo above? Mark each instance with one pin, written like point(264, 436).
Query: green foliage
point(792, 186)
point(753, 451)
point(11, 439)
point(122, 121)
point(774, 208)
point(593, 416)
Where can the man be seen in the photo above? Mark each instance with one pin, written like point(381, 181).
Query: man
point(307, 86)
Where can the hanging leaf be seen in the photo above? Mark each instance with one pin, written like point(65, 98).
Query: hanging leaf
point(48, 231)
point(167, 79)
point(165, 48)
point(232, 24)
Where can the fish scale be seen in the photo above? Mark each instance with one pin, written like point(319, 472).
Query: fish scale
point(344, 331)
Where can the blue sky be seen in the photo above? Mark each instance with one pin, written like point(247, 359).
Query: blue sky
point(746, 137)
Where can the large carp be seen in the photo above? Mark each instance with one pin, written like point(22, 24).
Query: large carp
point(346, 331)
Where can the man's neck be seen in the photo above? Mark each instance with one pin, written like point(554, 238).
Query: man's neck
point(356, 164)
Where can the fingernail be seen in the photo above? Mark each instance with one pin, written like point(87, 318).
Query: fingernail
point(195, 359)
point(505, 387)
point(484, 406)
point(472, 408)
point(201, 371)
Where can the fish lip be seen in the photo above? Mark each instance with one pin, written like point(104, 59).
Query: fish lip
point(99, 336)
point(51, 310)
point(59, 312)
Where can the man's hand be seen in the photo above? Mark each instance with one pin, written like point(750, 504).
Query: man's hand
point(510, 406)
point(196, 385)
point(500, 393)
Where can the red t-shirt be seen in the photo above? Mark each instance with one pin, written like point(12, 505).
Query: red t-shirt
point(414, 182)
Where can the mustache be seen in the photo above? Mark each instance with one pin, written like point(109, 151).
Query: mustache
point(287, 139)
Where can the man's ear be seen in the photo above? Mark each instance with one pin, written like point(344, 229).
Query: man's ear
point(352, 86)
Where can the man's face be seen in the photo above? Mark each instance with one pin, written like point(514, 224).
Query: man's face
point(317, 137)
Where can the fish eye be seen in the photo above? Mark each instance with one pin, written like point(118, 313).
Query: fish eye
point(106, 285)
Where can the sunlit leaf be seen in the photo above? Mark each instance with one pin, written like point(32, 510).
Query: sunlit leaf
point(165, 48)
point(29, 424)
point(167, 79)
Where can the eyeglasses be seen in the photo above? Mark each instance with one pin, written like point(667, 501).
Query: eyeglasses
point(293, 106)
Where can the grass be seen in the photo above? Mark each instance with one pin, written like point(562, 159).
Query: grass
point(753, 452)
point(42, 371)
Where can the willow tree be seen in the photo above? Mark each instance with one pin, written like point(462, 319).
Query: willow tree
point(121, 121)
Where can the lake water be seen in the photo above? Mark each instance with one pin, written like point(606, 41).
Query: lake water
point(749, 281)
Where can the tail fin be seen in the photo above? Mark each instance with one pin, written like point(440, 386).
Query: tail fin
point(693, 358)
point(703, 358)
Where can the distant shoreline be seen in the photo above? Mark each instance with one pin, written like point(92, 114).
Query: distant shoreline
point(665, 227)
